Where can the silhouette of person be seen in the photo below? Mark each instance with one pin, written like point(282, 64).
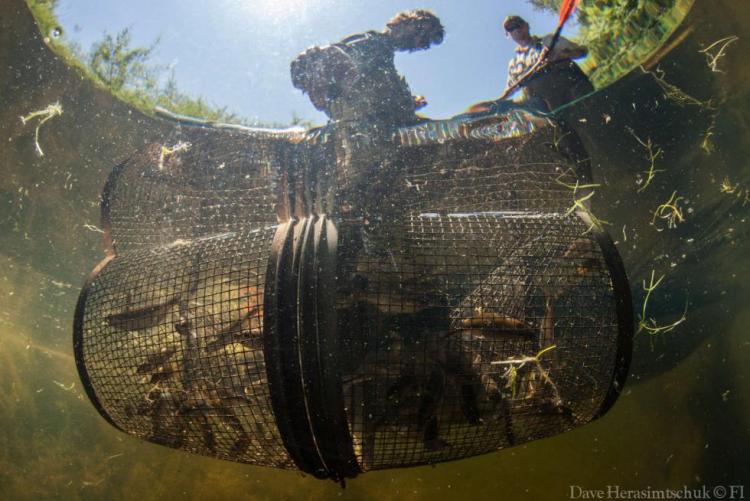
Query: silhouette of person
point(356, 79)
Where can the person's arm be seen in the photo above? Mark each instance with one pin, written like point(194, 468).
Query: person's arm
point(564, 49)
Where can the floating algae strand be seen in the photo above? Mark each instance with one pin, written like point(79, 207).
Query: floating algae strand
point(729, 189)
point(511, 375)
point(674, 93)
point(726, 186)
point(707, 145)
point(91, 227)
point(652, 156)
point(716, 51)
point(650, 325)
point(51, 111)
point(713, 53)
point(670, 212)
point(682, 98)
point(64, 386)
point(580, 203)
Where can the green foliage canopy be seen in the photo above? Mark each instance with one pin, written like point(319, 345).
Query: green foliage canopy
point(117, 64)
point(617, 32)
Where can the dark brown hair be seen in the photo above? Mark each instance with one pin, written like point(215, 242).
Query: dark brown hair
point(423, 19)
point(510, 23)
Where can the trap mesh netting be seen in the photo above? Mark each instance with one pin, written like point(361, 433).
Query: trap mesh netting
point(342, 299)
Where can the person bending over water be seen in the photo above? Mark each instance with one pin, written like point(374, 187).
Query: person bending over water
point(356, 79)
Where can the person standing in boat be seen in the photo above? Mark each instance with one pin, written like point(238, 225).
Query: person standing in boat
point(560, 81)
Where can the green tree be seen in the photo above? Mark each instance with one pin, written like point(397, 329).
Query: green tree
point(618, 33)
point(120, 66)
point(550, 5)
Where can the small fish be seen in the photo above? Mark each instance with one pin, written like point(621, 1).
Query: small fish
point(238, 331)
point(496, 321)
point(156, 360)
point(141, 318)
point(548, 323)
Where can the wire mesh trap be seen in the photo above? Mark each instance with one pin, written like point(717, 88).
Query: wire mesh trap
point(345, 299)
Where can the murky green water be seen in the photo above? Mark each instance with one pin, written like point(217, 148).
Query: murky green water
point(683, 419)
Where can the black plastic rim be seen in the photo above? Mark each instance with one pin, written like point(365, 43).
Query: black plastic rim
point(300, 340)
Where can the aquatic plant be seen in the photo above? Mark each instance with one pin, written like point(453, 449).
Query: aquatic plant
point(582, 203)
point(515, 364)
point(707, 144)
point(652, 154)
point(716, 51)
point(682, 98)
point(669, 211)
point(46, 114)
point(648, 324)
point(728, 188)
point(674, 93)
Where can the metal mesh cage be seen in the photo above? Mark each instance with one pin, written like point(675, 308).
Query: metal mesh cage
point(347, 299)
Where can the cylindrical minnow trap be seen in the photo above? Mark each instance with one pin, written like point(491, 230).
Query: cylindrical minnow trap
point(348, 299)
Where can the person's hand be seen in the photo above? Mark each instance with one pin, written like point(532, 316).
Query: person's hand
point(420, 102)
point(546, 55)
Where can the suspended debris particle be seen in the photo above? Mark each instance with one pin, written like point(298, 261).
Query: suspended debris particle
point(91, 227)
point(63, 386)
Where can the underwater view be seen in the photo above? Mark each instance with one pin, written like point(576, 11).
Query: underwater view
point(413, 250)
